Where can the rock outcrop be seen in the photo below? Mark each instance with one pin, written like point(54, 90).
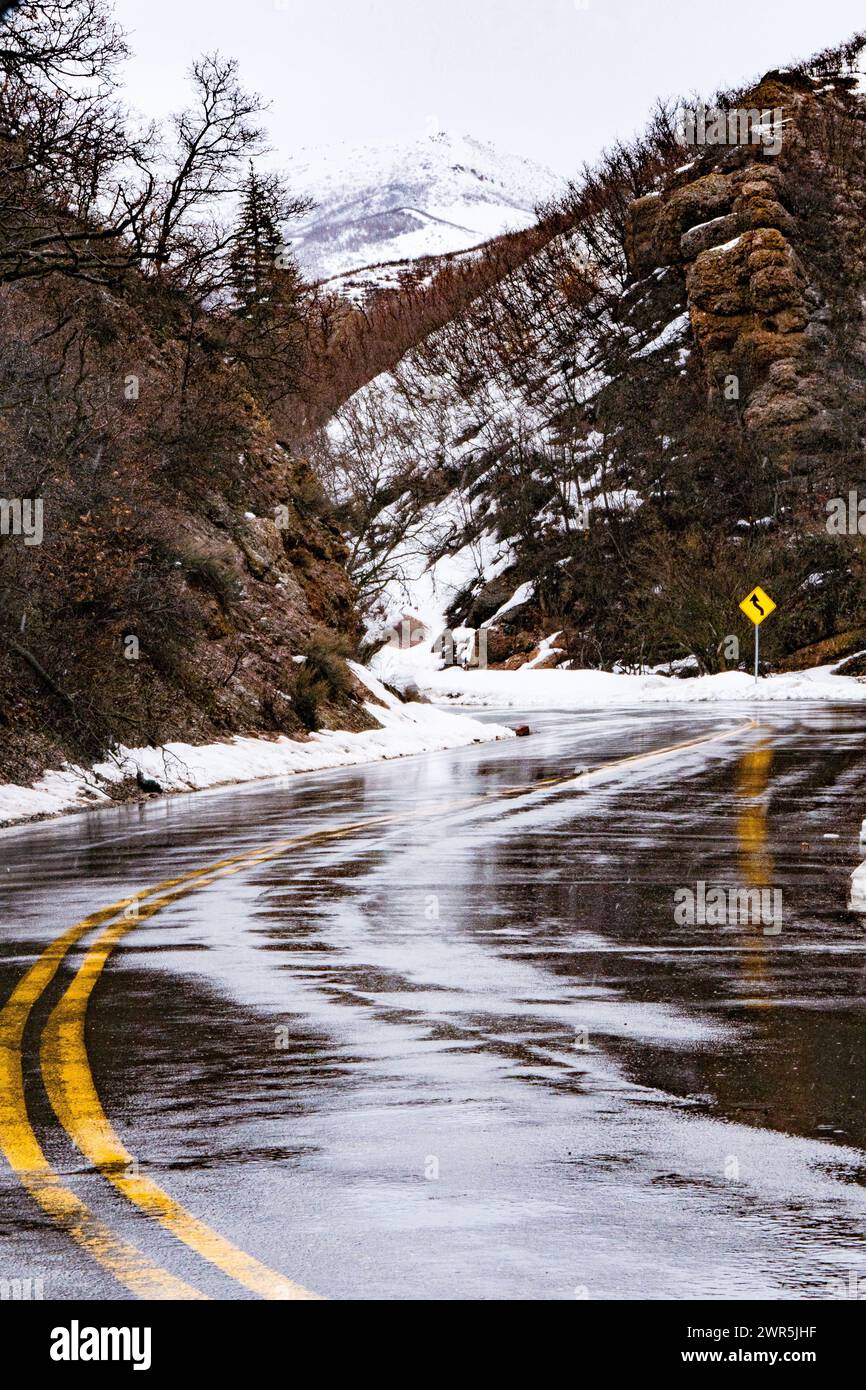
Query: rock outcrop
point(735, 225)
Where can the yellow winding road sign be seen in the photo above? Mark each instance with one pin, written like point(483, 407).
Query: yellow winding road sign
point(758, 605)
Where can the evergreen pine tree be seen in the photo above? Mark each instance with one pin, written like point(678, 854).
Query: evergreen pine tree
point(266, 285)
point(258, 254)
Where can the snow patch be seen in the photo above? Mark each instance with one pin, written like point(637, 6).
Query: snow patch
point(560, 689)
point(669, 334)
point(520, 596)
point(726, 246)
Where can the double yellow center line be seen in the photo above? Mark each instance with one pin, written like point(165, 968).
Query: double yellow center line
point(72, 1092)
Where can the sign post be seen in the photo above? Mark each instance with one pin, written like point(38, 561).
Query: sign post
point(757, 606)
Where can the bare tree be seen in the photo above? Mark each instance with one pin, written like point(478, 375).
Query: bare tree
point(182, 235)
point(61, 43)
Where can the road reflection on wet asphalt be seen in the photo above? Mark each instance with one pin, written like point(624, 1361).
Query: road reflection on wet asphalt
point(473, 1055)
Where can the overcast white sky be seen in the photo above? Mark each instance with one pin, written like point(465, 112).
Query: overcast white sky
point(550, 79)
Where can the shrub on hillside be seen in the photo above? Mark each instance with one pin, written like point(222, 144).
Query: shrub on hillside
point(308, 695)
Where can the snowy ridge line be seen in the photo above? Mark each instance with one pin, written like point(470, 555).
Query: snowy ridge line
point(425, 195)
point(404, 730)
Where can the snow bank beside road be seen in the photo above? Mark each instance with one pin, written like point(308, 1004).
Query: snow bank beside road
point(559, 689)
point(405, 729)
point(857, 896)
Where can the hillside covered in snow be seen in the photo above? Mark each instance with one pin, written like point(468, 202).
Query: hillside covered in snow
point(600, 453)
point(387, 203)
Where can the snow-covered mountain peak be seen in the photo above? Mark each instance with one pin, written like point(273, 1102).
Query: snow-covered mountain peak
point(426, 195)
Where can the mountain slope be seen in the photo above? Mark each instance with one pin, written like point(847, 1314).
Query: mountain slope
point(396, 202)
point(646, 417)
point(185, 559)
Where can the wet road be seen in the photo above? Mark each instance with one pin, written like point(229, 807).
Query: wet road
point(467, 1053)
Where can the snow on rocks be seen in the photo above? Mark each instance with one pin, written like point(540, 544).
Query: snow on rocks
point(404, 730)
point(546, 650)
point(669, 334)
point(521, 595)
point(725, 246)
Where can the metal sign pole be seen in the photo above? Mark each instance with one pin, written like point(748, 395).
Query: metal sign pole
point(757, 603)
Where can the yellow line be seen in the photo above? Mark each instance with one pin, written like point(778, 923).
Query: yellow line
point(21, 1147)
point(678, 747)
point(73, 1095)
point(18, 1141)
point(665, 752)
point(70, 1087)
point(25, 1156)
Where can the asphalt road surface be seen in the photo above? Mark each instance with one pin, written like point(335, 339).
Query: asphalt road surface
point(430, 1029)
